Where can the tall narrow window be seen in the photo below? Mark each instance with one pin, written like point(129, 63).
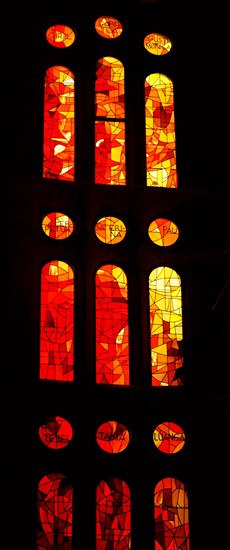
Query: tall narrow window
point(57, 322)
point(171, 515)
point(160, 132)
point(113, 515)
point(58, 146)
point(55, 500)
point(110, 154)
point(112, 329)
point(166, 329)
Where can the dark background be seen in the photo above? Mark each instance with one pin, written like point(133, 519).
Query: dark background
point(200, 72)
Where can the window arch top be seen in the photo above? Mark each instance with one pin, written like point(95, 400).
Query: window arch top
point(108, 27)
point(110, 88)
point(171, 514)
point(166, 328)
point(60, 36)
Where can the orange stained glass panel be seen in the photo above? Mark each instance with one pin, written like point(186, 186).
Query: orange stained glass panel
point(169, 437)
point(110, 147)
point(56, 432)
point(112, 437)
point(163, 232)
point(110, 230)
point(108, 27)
point(112, 328)
point(160, 132)
point(113, 515)
point(57, 225)
point(166, 330)
point(171, 515)
point(157, 44)
point(60, 36)
point(57, 322)
point(55, 502)
point(59, 113)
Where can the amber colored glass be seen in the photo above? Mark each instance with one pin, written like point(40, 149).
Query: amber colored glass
point(166, 331)
point(57, 225)
point(108, 27)
point(163, 232)
point(110, 230)
point(160, 132)
point(157, 44)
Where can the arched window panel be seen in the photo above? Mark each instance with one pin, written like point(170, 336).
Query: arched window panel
point(112, 437)
point(110, 146)
point(112, 327)
point(57, 225)
point(55, 502)
point(161, 168)
point(60, 36)
point(166, 330)
point(108, 27)
point(57, 322)
point(113, 515)
point(56, 432)
point(59, 123)
point(171, 515)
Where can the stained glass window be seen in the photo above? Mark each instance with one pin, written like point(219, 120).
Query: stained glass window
point(57, 225)
point(110, 230)
point(169, 437)
point(157, 44)
point(163, 232)
point(112, 436)
point(112, 328)
point(113, 515)
point(57, 322)
point(60, 36)
point(166, 331)
point(59, 124)
point(56, 432)
point(171, 515)
point(110, 153)
point(160, 132)
point(108, 27)
point(55, 500)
